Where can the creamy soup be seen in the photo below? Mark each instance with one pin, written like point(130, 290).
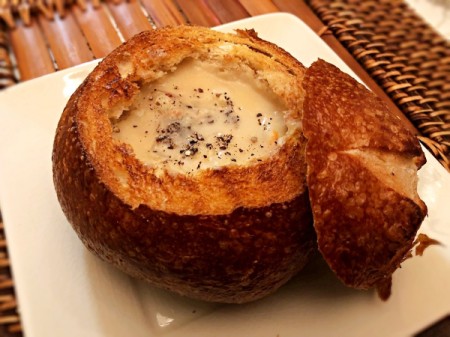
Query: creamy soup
point(202, 116)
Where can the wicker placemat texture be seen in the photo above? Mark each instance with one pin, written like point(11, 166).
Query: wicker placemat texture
point(406, 57)
point(9, 318)
point(7, 77)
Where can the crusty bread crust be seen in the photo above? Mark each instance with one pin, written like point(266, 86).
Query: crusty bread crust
point(359, 156)
point(149, 56)
point(230, 235)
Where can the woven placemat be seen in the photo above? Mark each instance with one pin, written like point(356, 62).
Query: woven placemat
point(406, 57)
point(7, 77)
point(383, 41)
point(9, 317)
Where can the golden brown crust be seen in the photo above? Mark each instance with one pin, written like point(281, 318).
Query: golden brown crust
point(148, 56)
point(364, 228)
point(365, 223)
point(350, 117)
point(237, 236)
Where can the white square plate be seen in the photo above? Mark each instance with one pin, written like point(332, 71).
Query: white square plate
point(65, 291)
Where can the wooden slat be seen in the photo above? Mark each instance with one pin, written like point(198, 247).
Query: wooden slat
point(259, 7)
point(9, 316)
point(6, 70)
point(129, 17)
point(98, 29)
point(30, 49)
point(68, 45)
point(198, 13)
point(6, 15)
point(15, 329)
point(228, 11)
point(5, 61)
point(163, 12)
point(296, 7)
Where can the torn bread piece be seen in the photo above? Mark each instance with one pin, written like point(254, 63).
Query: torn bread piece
point(362, 178)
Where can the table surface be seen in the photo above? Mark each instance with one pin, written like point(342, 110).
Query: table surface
point(65, 38)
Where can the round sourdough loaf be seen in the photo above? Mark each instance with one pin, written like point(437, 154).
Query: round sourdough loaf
point(231, 232)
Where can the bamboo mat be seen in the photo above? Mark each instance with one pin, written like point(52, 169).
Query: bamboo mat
point(397, 54)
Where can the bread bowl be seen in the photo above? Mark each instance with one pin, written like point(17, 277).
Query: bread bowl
point(195, 212)
point(233, 228)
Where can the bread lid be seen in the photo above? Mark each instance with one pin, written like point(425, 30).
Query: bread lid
point(362, 165)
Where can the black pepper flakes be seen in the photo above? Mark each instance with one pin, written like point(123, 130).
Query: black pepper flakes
point(223, 141)
point(164, 136)
point(173, 127)
point(198, 136)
